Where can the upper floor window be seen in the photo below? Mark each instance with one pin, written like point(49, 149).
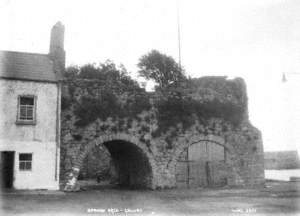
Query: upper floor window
point(26, 110)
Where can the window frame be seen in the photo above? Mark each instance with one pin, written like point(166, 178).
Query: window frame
point(25, 162)
point(25, 121)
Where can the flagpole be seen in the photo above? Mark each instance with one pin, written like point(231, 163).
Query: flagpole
point(178, 34)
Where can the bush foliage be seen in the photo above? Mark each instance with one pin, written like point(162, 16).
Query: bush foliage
point(121, 97)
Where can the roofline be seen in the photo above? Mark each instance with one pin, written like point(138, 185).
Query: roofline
point(25, 79)
point(28, 53)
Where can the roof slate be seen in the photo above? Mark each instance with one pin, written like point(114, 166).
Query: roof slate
point(28, 66)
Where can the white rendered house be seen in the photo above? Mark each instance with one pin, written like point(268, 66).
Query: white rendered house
point(30, 93)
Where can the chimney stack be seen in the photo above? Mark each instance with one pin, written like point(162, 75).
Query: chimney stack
point(56, 51)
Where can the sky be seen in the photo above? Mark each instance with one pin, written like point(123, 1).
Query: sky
point(257, 40)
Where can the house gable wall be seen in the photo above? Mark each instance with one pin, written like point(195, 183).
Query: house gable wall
point(40, 138)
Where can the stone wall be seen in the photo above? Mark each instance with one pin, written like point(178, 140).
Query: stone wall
point(97, 163)
point(156, 128)
point(282, 160)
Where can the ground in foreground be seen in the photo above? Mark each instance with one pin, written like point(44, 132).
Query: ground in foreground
point(276, 198)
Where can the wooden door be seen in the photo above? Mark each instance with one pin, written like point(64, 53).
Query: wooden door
point(201, 165)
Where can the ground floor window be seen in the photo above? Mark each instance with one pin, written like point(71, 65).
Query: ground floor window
point(25, 161)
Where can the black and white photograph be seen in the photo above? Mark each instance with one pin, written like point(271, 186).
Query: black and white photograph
point(149, 108)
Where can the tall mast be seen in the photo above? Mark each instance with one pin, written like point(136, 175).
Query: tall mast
point(178, 34)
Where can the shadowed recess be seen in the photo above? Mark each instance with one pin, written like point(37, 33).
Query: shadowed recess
point(131, 165)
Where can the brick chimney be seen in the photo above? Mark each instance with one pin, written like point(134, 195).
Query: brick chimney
point(56, 51)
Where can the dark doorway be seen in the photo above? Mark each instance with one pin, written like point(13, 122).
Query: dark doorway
point(130, 164)
point(7, 169)
point(126, 167)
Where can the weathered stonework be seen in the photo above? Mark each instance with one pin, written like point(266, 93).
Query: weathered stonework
point(144, 145)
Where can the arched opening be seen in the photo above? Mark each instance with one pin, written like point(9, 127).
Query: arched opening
point(120, 164)
point(203, 164)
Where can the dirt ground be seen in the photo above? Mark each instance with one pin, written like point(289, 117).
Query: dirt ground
point(281, 198)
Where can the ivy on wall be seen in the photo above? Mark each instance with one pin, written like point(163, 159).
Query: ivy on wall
point(88, 109)
point(100, 92)
point(171, 108)
point(185, 111)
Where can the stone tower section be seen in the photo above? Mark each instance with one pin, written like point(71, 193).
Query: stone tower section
point(56, 51)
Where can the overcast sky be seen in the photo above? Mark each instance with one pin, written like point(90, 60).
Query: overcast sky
point(254, 39)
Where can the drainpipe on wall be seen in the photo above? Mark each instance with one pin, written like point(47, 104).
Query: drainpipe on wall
point(57, 55)
point(57, 149)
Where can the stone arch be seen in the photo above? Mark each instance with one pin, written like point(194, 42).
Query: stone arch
point(71, 183)
point(201, 138)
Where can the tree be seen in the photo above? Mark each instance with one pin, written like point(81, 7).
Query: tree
point(161, 68)
point(72, 71)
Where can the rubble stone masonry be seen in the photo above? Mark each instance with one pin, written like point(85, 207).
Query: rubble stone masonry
point(145, 133)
